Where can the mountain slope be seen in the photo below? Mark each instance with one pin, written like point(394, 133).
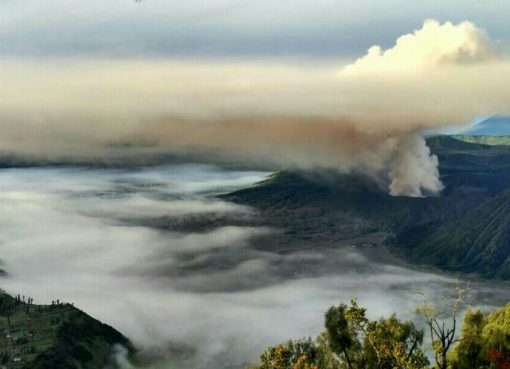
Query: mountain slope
point(56, 336)
point(464, 229)
point(472, 174)
point(478, 242)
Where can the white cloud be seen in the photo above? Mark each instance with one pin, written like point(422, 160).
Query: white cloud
point(139, 206)
point(432, 45)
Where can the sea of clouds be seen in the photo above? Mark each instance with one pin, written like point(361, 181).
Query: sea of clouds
point(199, 297)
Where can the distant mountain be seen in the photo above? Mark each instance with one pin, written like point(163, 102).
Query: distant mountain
point(494, 126)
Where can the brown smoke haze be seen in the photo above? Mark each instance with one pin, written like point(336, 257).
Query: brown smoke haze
point(367, 116)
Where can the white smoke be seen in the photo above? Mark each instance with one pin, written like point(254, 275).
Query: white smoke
point(414, 170)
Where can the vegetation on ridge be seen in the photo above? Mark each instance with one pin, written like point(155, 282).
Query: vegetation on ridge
point(484, 140)
point(56, 336)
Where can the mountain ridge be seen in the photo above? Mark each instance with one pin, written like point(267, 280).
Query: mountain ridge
point(57, 336)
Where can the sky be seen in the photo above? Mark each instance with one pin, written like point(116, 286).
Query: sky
point(331, 29)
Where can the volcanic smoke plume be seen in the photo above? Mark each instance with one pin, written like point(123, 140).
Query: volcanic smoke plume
point(366, 116)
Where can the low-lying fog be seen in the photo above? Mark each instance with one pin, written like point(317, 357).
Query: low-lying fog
point(152, 252)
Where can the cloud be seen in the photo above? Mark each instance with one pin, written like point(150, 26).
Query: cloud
point(119, 358)
point(432, 45)
point(227, 28)
point(143, 206)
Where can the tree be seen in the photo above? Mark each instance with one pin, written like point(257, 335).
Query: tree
point(341, 336)
point(496, 331)
point(442, 335)
point(392, 344)
point(469, 352)
point(386, 343)
point(301, 354)
point(352, 341)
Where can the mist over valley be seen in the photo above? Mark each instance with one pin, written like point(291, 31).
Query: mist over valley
point(190, 278)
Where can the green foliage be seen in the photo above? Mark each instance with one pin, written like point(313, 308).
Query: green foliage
point(497, 329)
point(470, 352)
point(352, 341)
point(391, 343)
point(302, 354)
point(485, 341)
point(341, 334)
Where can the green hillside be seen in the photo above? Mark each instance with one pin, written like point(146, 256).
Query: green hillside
point(477, 242)
point(56, 336)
